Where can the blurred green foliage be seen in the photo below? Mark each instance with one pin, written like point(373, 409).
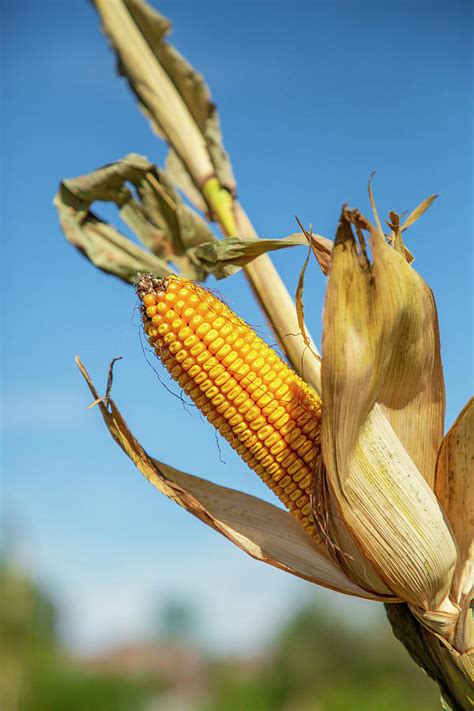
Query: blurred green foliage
point(318, 661)
point(321, 662)
point(37, 673)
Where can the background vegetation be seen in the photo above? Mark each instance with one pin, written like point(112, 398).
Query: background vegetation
point(316, 662)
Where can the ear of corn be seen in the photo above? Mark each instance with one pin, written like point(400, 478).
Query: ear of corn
point(266, 412)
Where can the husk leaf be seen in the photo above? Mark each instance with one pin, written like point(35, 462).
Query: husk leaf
point(454, 488)
point(262, 530)
point(383, 399)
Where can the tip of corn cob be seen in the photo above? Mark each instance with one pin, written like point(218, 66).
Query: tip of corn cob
point(267, 413)
point(149, 284)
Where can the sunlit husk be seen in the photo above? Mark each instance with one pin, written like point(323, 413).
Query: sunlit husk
point(455, 490)
point(451, 623)
point(382, 381)
point(262, 530)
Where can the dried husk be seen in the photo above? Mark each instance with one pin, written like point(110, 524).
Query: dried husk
point(454, 488)
point(262, 530)
point(383, 397)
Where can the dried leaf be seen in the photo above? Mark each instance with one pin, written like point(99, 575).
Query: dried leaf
point(154, 211)
point(418, 212)
point(455, 490)
point(396, 238)
point(171, 92)
point(383, 396)
point(102, 244)
point(299, 294)
point(179, 176)
point(299, 299)
point(452, 624)
point(265, 532)
point(229, 255)
point(374, 207)
point(322, 250)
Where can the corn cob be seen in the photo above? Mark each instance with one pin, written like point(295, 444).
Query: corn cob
point(266, 412)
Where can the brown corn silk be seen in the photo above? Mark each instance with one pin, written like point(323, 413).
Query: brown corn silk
point(266, 412)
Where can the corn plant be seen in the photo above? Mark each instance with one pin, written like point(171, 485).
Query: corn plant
point(379, 501)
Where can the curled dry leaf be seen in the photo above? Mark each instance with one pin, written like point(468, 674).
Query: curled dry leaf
point(148, 204)
point(102, 244)
point(262, 530)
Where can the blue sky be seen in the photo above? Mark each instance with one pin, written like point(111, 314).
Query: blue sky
point(313, 97)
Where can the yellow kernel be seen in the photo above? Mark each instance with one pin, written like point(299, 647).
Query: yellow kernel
point(149, 300)
point(210, 336)
point(265, 431)
point(250, 357)
point(173, 347)
point(184, 333)
point(203, 329)
point(202, 357)
point(229, 359)
point(222, 352)
point(263, 409)
point(190, 342)
point(257, 423)
point(193, 371)
point(218, 399)
point(222, 378)
point(197, 349)
point(210, 363)
point(216, 344)
point(216, 371)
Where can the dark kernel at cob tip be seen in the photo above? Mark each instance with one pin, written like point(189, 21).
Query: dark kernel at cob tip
point(266, 412)
point(148, 284)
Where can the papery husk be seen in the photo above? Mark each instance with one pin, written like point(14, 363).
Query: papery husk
point(381, 376)
point(454, 488)
point(262, 530)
